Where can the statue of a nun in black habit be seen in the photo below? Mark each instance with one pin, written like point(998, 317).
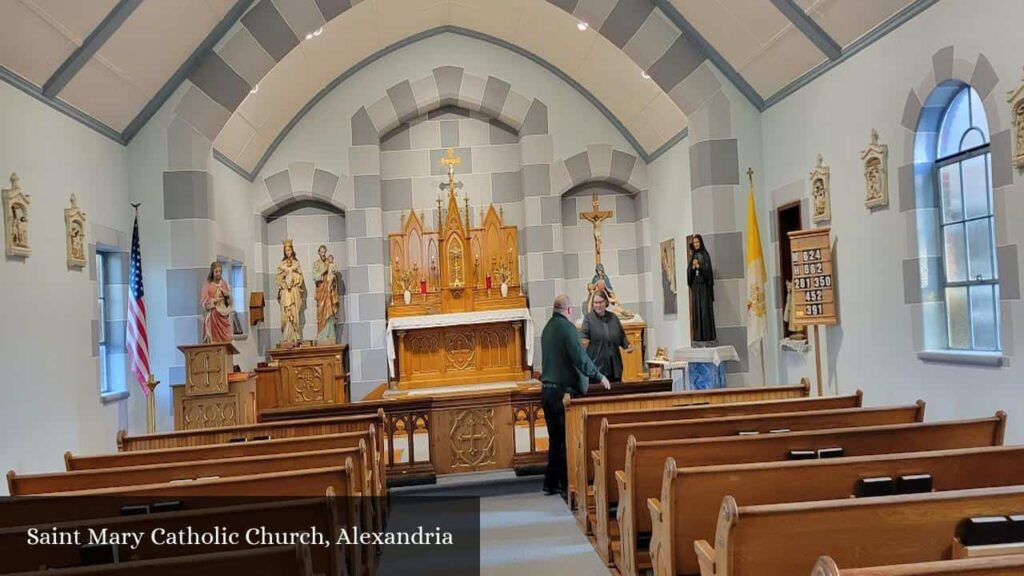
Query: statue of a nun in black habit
point(701, 279)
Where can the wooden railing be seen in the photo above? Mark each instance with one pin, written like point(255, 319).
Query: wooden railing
point(508, 426)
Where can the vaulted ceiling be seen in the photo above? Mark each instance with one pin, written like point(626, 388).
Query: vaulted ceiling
point(112, 63)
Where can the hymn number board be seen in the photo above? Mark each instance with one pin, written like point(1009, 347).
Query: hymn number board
point(813, 282)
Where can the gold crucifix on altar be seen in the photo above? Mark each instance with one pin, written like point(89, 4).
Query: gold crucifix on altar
point(595, 217)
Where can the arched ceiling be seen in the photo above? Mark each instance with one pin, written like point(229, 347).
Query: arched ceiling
point(113, 63)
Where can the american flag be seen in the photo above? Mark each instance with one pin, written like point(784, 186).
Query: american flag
point(137, 342)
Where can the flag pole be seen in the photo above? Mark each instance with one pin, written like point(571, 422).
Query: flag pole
point(764, 373)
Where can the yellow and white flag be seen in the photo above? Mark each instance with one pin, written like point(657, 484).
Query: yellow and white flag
point(757, 321)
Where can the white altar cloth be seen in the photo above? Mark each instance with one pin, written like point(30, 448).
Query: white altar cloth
point(460, 319)
point(716, 355)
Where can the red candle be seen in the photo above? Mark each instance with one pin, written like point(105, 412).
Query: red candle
point(423, 286)
point(488, 281)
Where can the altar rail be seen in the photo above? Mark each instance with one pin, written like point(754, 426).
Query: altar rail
point(435, 435)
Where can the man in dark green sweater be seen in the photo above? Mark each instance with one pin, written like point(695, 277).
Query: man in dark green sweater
point(565, 368)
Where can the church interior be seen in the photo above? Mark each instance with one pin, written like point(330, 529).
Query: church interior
point(314, 254)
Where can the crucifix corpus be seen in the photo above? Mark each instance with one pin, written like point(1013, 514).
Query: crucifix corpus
point(595, 217)
point(451, 161)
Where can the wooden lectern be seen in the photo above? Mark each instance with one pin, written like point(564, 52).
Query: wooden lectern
point(212, 396)
point(302, 377)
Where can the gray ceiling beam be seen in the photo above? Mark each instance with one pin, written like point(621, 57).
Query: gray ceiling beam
point(711, 53)
point(92, 43)
point(183, 72)
point(894, 22)
point(804, 23)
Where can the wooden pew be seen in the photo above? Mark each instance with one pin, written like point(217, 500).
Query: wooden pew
point(30, 484)
point(610, 456)
point(269, 561)
point(271, 430)
point(690, 498)
point(218, 451)
point(645, 461)
point(27, 485)
point(576, 458)
point(787, 539)
point(280, 516)
point(245, 449)
point(86, 504)
point(591, 425)
point(56, 507)
point(994, 566)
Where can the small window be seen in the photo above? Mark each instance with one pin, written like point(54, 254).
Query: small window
point(103, 352)
point(963, 167)
point(234, 273)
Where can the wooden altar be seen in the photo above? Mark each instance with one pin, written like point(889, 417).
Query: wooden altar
point(302, 377)
point(212, 395)
point(464, 272)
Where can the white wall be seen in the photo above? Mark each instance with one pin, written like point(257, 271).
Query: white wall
point(671, 217)
point(325, 132)
point(49, 407)
point(873, 347)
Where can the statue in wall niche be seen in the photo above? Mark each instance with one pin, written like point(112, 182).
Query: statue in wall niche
point(600, 283)
point(15, 206)
point(876, 178)
point(325, 276)
point(216, 301)
point(291, 294)
point(1016, 99)
point(700, 277)
point(74, 222)
point(822, 203)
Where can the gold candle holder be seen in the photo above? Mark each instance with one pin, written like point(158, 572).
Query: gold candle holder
point(151, 383)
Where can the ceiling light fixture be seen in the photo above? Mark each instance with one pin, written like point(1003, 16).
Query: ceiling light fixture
point(582, 26)
point(645, 75)
point(319, 31)
point(255, 89)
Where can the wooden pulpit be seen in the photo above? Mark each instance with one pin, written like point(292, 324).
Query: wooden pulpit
point(212, 395)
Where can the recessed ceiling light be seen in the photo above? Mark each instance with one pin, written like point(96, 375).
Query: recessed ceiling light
point(255, 89)
point(582, 26)
point(645, 75)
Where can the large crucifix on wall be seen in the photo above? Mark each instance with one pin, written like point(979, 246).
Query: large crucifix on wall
point(595, 217)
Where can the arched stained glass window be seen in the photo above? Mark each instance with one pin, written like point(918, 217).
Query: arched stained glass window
point(963, 165)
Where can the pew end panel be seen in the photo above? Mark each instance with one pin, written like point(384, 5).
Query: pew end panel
point(599, 528)
point(705, 556)
point(825, 566)
point(624, 514)
point(717, 560)
point(663, 561)
point(1000, 432)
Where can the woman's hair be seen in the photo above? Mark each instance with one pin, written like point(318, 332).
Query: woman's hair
point(602, 294)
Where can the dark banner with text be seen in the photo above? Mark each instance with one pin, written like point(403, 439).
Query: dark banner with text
point(169, 534)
